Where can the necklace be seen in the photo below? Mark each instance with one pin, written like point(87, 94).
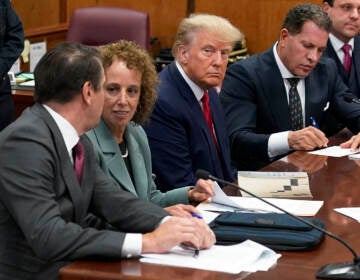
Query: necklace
point(123, 149)
point(125, 154)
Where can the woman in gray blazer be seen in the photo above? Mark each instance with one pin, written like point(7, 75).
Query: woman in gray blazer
point(121, 143)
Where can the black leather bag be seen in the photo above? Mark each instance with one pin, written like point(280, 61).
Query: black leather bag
point(276, 231)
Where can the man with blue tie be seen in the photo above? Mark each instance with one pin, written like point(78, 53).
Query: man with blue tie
point(260, 99)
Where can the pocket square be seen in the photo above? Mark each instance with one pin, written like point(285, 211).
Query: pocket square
point(326, 106)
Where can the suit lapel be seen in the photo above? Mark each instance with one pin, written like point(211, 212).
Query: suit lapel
point(66, 167)
point(137, 164)
point(194, 106)
point(355, 72)
point(274, 91)
point(112, 156)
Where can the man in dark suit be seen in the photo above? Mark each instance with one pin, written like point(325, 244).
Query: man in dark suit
point(11, 45)
point(343, 38)
point(181, 138)
point(45, 203)
point(257, 93)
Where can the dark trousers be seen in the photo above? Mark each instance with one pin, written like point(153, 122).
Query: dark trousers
point(6, 110)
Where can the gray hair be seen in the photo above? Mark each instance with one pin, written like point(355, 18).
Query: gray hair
point(222, 27)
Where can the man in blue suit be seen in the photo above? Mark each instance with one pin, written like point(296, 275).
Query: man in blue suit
point(257, 91)
point(181, 139)
point(345, 18)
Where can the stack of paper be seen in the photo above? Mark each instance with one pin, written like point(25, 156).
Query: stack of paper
point(275, 184)
point(247, 256)
point(221, 203)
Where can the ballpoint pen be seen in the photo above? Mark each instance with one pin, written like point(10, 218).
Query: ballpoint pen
point(196, 215)
point(314, 123)
point(192, 249)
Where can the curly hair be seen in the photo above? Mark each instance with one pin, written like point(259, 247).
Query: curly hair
point(136, 58)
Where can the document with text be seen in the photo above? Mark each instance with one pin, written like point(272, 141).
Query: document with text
point(247, 256)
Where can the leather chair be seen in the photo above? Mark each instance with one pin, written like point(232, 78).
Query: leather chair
point(96, 26)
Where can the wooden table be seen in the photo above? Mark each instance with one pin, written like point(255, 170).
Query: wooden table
point(334, 180)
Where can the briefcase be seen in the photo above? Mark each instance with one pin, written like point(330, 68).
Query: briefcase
point(274, 230)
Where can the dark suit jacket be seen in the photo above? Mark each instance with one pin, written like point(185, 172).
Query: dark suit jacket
point(11, 46)
point(255, 102)
point(179, 138)
point(331, 125)
point(110, 160)
point(43, 208)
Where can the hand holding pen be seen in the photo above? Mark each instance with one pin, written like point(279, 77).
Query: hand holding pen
point(308, 138)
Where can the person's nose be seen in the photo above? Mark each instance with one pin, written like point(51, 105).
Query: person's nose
point(121, 97)
point(314, 55)
point(354, 13)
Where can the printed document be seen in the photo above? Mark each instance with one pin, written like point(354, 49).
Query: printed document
point(220, 202)
point(275, 184)
point(247, 256)
point(334, 151)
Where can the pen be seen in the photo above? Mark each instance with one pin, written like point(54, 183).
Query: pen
point(196, 215)
point(314, 123)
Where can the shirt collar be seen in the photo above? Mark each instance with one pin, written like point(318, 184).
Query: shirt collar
point(337, 44)
point(198, 92)
point(285, 73)
point(67, 131)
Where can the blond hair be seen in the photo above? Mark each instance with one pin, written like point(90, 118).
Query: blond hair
point(220, 26)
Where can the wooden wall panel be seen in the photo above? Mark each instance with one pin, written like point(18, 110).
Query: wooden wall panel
point(38, 13)
point(165, 15)
point(259, 20)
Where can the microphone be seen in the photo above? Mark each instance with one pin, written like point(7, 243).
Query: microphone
point(351, 98)
point(346, 270)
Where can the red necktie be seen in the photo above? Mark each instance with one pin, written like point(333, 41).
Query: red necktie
point(78, 153)
point(347, 58)
point(207, 115)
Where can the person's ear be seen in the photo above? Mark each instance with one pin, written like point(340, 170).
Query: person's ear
point(284, 34)
point(87, 91)
point(183, 54)
point(326, 7)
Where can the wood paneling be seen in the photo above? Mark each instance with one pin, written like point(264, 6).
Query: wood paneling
point(259, 20)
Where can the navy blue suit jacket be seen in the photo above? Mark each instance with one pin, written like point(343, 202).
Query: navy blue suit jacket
point(179, 138)
point(255, 103)
point(331, 125)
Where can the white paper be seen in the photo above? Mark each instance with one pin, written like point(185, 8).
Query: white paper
point(249, 204)
point(246, 256)
point(274, 184)
point(37, 50)
point(352, 212)
point(354, 156)
point(334, 151)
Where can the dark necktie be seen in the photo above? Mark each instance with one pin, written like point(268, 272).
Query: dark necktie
point(347, 58)
point(295, 105)
point(78, 154)
point(207, 115)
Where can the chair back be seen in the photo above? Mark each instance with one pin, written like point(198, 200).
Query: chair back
point(96, 26)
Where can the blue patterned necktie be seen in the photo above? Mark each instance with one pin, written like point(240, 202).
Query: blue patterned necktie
point(295, 105)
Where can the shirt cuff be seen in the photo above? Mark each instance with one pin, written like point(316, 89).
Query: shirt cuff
point(278, 144)
point(132, 245)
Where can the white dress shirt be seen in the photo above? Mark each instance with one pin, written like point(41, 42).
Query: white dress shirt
point(278, 142)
